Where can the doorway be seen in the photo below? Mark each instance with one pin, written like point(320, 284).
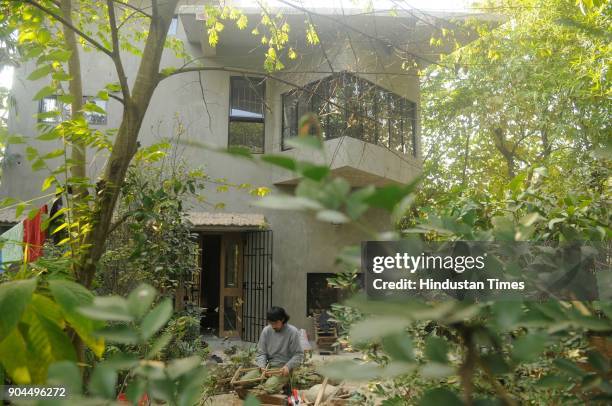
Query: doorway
point(221, 284)
point(210, 282)
point(235, 282)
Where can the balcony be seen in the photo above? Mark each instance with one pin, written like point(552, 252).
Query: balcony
point(370, 133)
point(360, 163)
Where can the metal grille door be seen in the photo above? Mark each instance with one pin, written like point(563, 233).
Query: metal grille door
point(257, 283)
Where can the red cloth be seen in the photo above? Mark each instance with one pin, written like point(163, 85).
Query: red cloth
point(34, 236)
point(144, 399)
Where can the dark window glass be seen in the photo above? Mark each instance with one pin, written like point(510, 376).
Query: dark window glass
point(246, 120)
point(395, 123)
point(349, 105)
point(248, 135)
point(320, 295)
point(290, 115)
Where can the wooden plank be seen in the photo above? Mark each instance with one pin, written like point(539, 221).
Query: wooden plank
point(321, 392)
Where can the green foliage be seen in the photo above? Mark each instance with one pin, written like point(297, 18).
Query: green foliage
point(134, 320)
point(532, 92)
point(37, 314)
point(152, 242)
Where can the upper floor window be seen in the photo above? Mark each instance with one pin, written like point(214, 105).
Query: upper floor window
point(172, 29)
point(349, 105)
point(52, 110)
point(246, 117)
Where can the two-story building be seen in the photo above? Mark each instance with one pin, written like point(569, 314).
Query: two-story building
point(361, 79)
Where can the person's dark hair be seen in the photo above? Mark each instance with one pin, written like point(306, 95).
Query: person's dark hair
point(277, 313)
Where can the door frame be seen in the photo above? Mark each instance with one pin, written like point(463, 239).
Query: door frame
point(228, 240)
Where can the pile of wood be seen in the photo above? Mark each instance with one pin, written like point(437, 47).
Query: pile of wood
point(319, 395)
point(326, 334)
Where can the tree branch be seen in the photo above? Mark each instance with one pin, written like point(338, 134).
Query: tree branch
point(136, 9)
point(116, 54)
point(80, 33)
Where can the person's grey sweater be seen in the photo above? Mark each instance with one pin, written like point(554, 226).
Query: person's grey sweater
point(279, 348)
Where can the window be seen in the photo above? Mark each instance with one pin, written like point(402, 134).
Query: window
point(173, 26)
point(52, 110)
point(352, 106)
point(320, 295)
point(246, 118)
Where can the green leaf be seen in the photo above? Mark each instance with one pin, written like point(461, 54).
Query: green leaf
point(113, 87)
point(399, 347)
point(65, 373)
point(14, 357)
point(435, 370)
point(140, 300)
point(332, 216)
point(251, 401)
point(119, 334)
point(102, 95)
point(14, 298)
point(44, 92)
point(61, 76)
point(314, 172)
point(48, 182)
point(358, 371)
point(156, 319)
point(568, 366)
point(159, 345)
point(436, 349)
point(440, 396)
point(281, 161)
point(305, 142)
point(40, 72)
point(56, 342)
point(507, 314)
point(528, 347)
point(65, 98)
point(110, 308)
point(121, 361)
point(553, 381)
point(102, 382)
point(70, 296)
point(179, 367)
point(281, 202)
point(19, 211)
point(531, 219)
point(387, 197)
point(377, 327)
point(93, 108)
point(60, 55)
point(240, 151)
point(49, 135)
point(496, 363)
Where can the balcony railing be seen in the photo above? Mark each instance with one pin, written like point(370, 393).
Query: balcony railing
point(349, 105)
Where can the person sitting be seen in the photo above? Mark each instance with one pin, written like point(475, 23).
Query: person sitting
point(279, 343)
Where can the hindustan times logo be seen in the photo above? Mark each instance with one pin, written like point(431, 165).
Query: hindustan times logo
point(412, 263)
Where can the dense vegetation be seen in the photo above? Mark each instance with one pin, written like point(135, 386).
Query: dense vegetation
point(516, 134)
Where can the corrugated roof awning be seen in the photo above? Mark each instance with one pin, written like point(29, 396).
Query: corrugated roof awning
point(7, 216)
point(204, 220)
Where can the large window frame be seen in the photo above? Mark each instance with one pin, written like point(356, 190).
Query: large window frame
point(53, 103)
point(383, 118)
point(258, 86)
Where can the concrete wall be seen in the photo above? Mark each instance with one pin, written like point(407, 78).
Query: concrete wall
point(301, 243)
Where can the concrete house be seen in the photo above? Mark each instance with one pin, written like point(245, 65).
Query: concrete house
point(251, 257)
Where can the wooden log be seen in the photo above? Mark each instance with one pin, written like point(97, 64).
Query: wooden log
point(321, 392)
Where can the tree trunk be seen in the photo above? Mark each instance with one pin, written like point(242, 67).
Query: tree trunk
point(125, 145)
point(78, 153)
